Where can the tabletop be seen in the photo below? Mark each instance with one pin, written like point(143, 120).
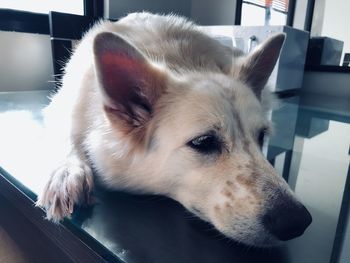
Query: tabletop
point(312, 155)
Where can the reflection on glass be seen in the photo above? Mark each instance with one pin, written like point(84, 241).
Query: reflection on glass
point(320, 184)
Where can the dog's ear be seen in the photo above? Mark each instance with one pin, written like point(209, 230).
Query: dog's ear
point(130, 85)
point(256, 68)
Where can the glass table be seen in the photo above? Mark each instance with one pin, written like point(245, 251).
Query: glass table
point(312, 155)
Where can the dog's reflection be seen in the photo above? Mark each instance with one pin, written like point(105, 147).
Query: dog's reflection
point(157, 229)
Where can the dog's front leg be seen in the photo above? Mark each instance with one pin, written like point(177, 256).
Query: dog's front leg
point(69, 184)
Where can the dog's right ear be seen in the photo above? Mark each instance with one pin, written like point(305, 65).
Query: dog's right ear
point(130, 85)
point(256, 68)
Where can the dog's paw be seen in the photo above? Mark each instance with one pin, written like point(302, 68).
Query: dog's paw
point(69, 184)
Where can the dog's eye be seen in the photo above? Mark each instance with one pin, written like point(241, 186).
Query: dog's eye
point(205, 144)
point(261, 136)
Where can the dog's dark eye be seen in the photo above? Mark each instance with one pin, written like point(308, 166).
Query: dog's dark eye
point(261, 136)
point(206, 144)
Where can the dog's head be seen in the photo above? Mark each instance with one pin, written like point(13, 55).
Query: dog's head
point(196, 137)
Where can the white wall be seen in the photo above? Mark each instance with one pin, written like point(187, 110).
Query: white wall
point(336, 21)
point(317, 20)
point(299, 14)
point(331, 18)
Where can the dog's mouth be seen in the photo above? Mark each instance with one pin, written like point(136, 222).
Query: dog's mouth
point(285, 220)
point(270, 232)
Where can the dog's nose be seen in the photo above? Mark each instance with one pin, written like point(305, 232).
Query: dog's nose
point(287, 221)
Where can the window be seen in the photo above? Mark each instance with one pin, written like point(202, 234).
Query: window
point(264, 12)
point(44, 6)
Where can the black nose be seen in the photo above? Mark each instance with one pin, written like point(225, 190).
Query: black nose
point(287, 220)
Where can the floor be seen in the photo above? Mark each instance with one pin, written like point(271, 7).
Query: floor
point(9, 251)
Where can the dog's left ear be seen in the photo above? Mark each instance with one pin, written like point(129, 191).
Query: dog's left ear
point(256, 68)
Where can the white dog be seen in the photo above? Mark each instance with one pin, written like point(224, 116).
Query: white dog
point(154, 105)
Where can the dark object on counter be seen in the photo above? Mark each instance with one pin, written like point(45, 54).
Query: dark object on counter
point(346, 62)
point(324, 51)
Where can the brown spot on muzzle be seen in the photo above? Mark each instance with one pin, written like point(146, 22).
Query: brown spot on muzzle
point(229, 183)
point(250, 183)
point(226, 192)
point(227, 205)
point(245, 180)
point(217, 209)
point(249, 166)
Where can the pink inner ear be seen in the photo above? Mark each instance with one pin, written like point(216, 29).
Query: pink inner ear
point(120, 74)
point(119, 69)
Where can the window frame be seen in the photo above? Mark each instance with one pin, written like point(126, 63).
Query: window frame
point(38, 23)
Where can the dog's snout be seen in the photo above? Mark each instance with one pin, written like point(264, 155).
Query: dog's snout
point(287, 221)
